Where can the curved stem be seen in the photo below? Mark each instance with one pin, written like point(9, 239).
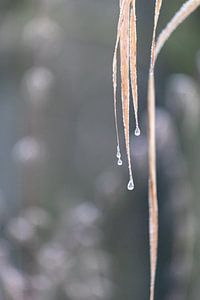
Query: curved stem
point(185, 11)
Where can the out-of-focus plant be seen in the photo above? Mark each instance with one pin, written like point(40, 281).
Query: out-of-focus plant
point(47, 255)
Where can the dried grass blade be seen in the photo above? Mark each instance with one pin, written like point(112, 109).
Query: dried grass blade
point(124, 63)
point(133, 62)
point(186, 9)
point(156, 16)
point(153, 202)
point(120, 21)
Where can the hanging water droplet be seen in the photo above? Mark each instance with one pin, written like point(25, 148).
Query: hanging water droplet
point(137, 131)
point(119, 162)
point(130, 185)
point(118, 153)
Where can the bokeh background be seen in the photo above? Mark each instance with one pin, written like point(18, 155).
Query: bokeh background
point(69, 228)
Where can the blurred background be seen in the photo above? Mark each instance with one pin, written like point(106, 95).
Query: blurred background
point(69, 228)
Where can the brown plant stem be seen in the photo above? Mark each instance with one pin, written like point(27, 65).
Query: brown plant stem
point(185, 11)
point(153, 201)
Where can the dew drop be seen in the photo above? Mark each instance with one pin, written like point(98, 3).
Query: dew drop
point(137, 131)
point(118, 153)
point(119, 162)
point(130, 185)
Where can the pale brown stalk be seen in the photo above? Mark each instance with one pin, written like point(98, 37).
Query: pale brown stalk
point(179, 17)
point(185, 11)
point(153, 202)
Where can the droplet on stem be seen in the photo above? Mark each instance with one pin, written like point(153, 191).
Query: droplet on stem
point(130, 185)
point(137, 131)
point(119, 162)
point(118, 152)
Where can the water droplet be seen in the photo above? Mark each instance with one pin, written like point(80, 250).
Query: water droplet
point(130, 185)
point(137, 131)
point(118, 152)
point(119, 162)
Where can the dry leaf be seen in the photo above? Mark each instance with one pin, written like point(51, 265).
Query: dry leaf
point(133, 63)
point(124, 63)
point(121, 18)
point(126, 35)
